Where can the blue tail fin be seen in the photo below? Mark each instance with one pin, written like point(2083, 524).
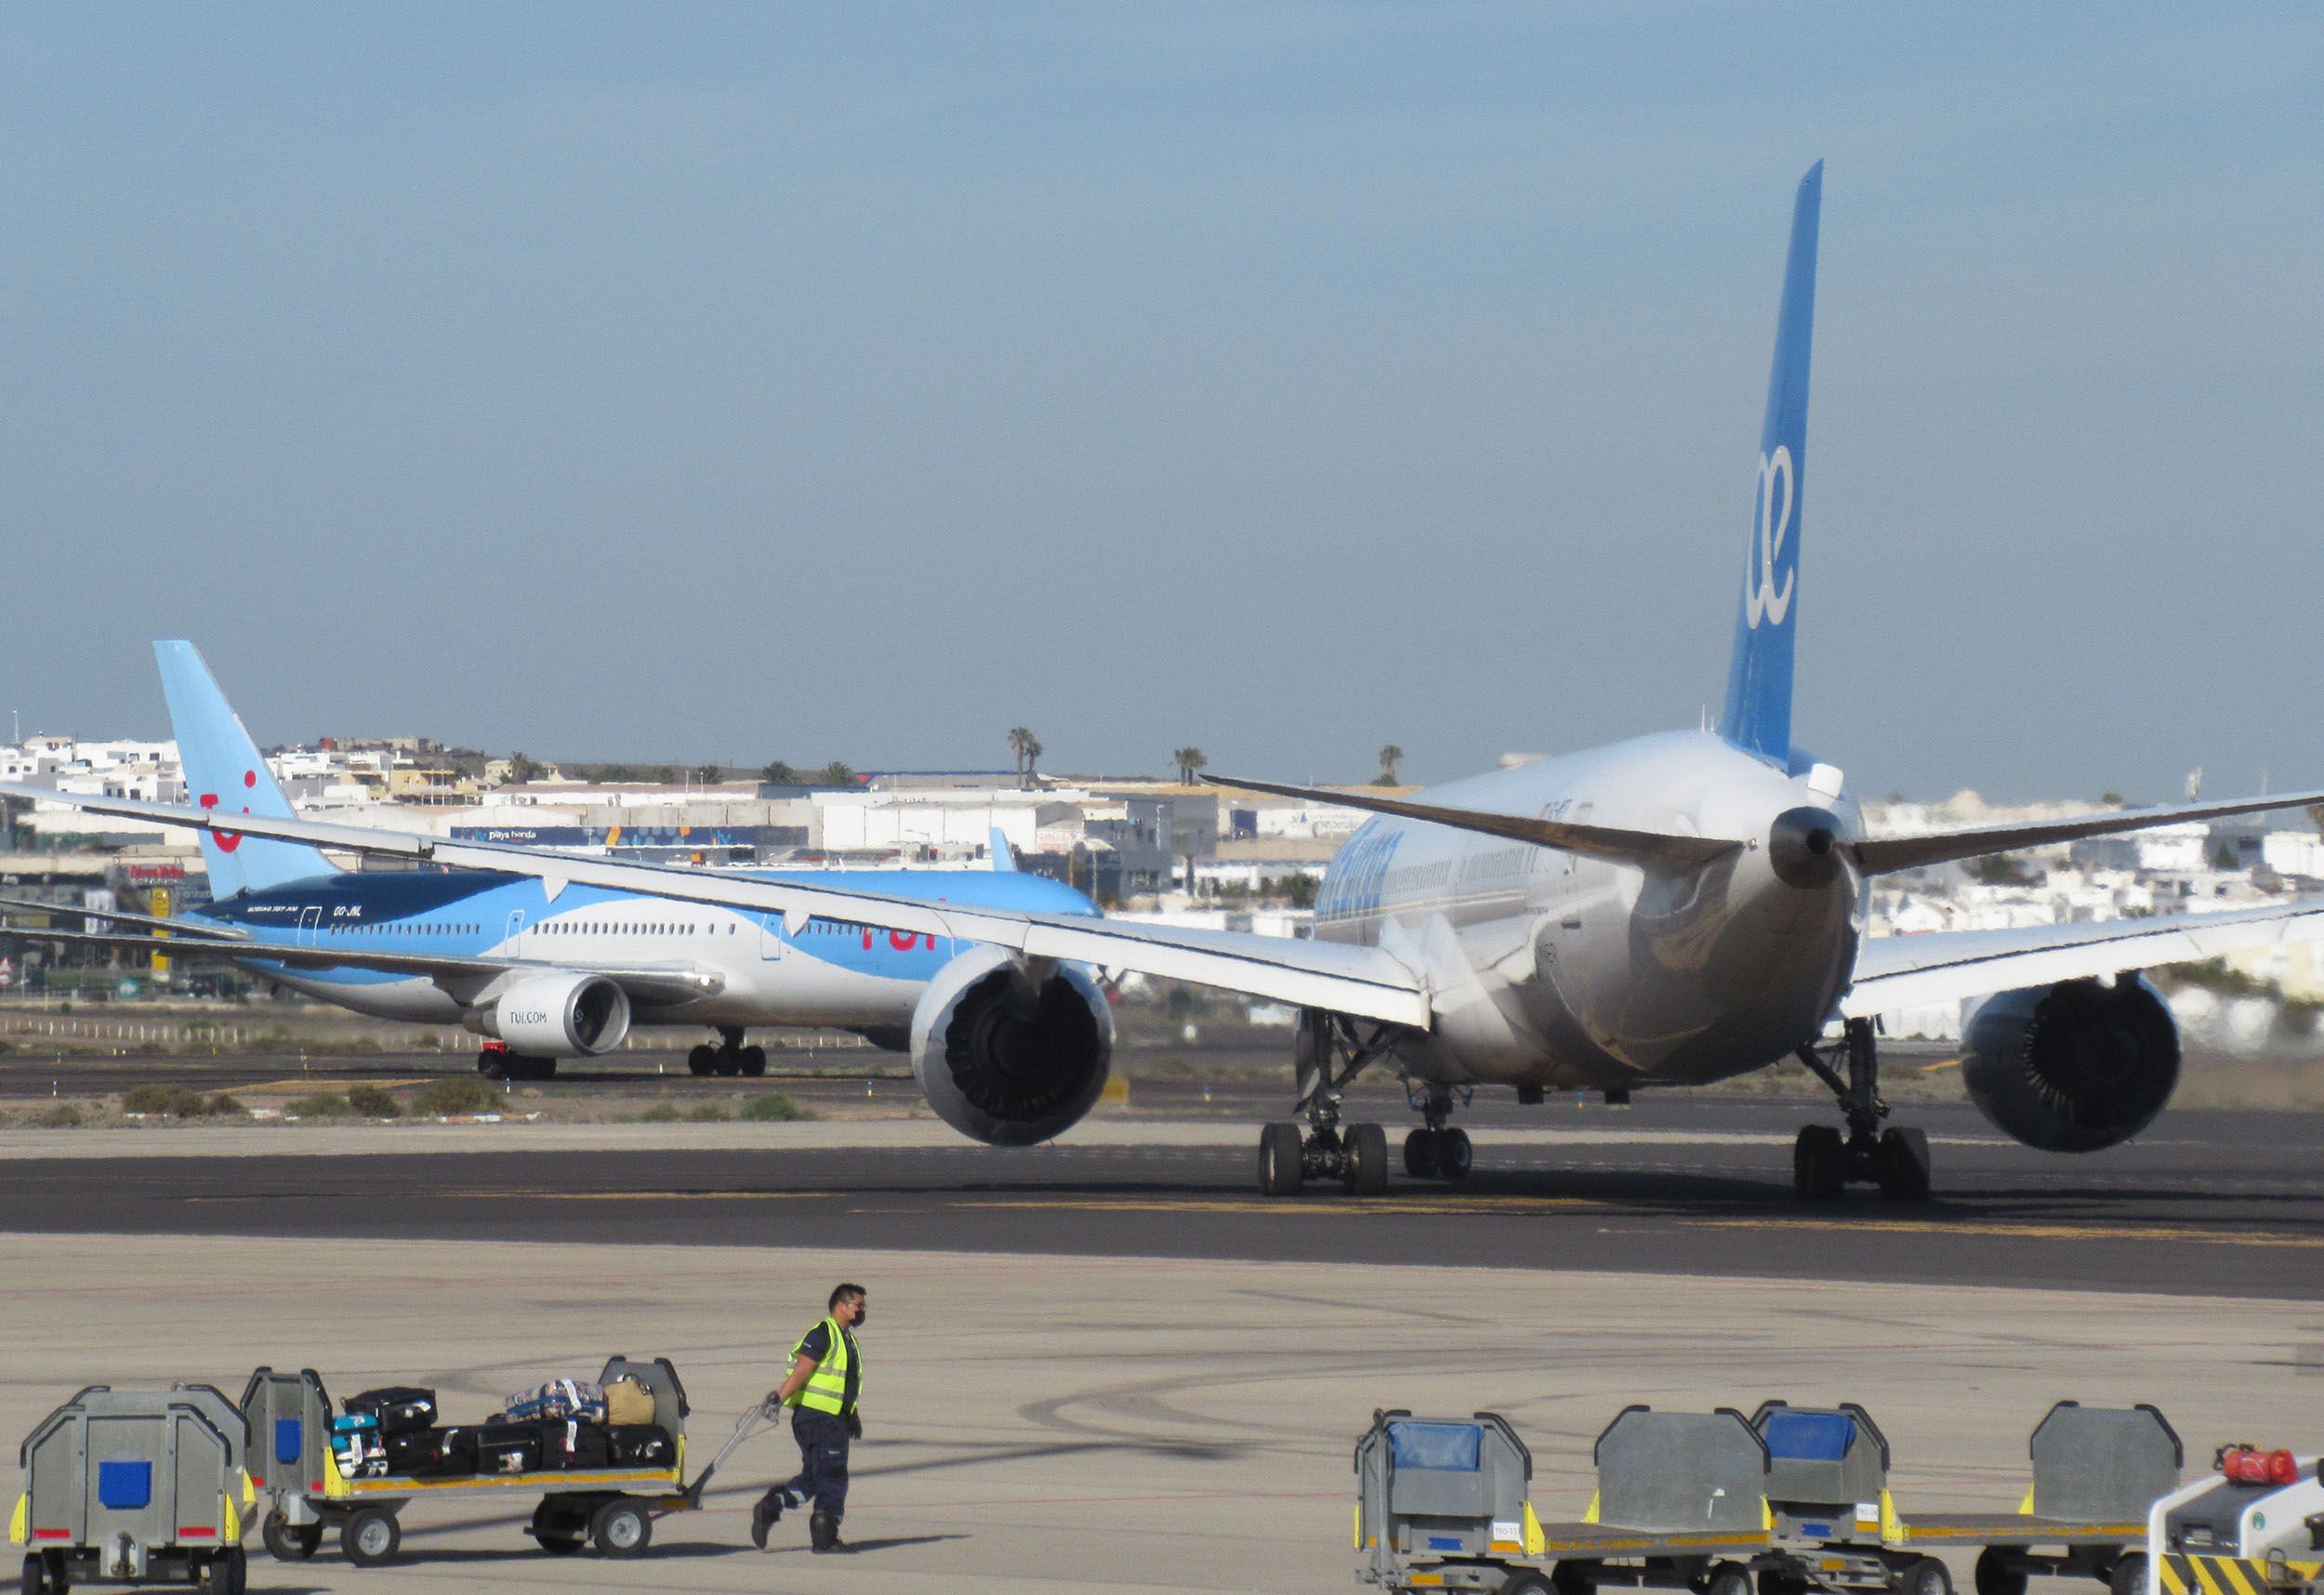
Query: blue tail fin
point(1758, 717)
point(224, 772)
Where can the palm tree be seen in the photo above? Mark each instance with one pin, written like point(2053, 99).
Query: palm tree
point(1390, 757)
point(1188, 760)
point(777, 773)
point(1020, 741)
point(709, 775)
point(1032, 760)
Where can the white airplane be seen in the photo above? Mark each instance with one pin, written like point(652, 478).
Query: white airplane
point(1673, 910)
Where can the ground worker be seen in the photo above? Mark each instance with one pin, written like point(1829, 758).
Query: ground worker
point(826, 1373)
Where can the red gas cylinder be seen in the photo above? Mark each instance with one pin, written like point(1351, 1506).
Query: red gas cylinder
point(2249, 1465)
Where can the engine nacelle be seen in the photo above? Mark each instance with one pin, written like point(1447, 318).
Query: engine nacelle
point(556, 1015)
point(2072, 1067)
point(1003, 1061)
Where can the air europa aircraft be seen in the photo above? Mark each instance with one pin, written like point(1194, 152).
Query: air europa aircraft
point(1673, 910)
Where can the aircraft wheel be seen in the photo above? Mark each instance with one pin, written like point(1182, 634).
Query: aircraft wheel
point(1902, 1164)
point(2129, 1578)
point(1819, 1163)
point(1419, 1154)
point(1367, 1156)
point(542, 1069)
point(754, 1061)
point(1281, 1160)
point(1455, 1156)
point(1999, 1572)
point(702, 1060)
point(493, 1065)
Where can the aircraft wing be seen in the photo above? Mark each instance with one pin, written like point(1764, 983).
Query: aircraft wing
point(651, 983)
point(1905, 971)
point(1362, 982)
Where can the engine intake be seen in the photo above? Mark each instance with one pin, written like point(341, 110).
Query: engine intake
point(1004, 1061)
point(556, 1015)
point(2073, 1067)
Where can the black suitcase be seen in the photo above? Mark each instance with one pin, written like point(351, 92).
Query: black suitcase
point(456, 1452)
point(401, 1408)
point(581, 1444)
point(413, 1454)
point(508, 1448)
point(641, 1445)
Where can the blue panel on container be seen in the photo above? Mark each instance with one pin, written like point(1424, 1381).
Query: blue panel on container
point(124, 1487)
point(1444, 1542)
point(1816, 1531)
point(1809, 1436)
point(290, 1439)
point(1450, 1446)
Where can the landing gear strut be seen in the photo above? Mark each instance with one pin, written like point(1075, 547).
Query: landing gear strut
point(730, 1057)
point(1823, 1162)
point(1329, 1054)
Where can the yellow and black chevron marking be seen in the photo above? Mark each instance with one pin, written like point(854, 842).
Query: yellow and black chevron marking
point(2232, 1575)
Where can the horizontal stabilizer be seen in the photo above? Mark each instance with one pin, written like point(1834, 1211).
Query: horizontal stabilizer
point(1887, 856)
point(122, 916)
point(1595, 841)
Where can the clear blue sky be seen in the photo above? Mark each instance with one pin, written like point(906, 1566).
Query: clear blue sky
point(809, 382)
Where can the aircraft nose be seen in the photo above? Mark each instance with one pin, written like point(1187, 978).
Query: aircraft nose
point(1803, 847)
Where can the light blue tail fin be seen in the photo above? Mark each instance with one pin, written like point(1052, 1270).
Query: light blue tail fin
point(224, 772)
point(1003, 860)
point(1758, 717)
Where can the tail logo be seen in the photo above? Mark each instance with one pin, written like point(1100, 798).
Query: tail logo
point(1761, 601)
point(227, 840)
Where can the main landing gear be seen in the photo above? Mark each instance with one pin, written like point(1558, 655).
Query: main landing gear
point(1329, 1054)
point(730, 1057)
point(1823, 1162)
point(495, 1062)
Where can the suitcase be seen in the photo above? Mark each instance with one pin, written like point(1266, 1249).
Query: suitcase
point(413, 1454)
point(641, 1445)
point(508, 1448)
point(456, 1452)
point(559, 1398)
point(588, 1446)
point(399, 1408)
point(627, 1402)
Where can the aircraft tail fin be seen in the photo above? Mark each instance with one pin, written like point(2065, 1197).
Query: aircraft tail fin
point(1004, 858)
point(224, 772)
point(1758, 717)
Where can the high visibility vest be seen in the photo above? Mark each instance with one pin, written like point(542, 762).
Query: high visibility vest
point(826, 1389)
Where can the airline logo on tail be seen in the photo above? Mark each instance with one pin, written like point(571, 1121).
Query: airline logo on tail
point(227, 840)
point(1765, 554)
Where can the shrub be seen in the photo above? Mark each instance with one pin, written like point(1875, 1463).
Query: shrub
point(773, 1107)
point(154, 1097)
point(456, 1094)
point(371, 1103)
point(223, 1106)
point(660, 1113)
point(707, 1113)
point(326, 1105)
point(65, 1115)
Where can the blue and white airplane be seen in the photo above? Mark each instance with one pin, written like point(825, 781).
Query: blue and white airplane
point(1673, 910)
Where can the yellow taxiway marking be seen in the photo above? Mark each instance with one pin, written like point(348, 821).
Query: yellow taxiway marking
point(2023, 1231)
point(1330, 1208)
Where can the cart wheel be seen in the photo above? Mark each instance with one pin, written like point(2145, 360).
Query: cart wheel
point(2128, 1576)
point(559, 1530)
point(36, 1574)
point(1572, 1578)
point(1728, 1579)
point(230, 1572)
point(371, 1536)
point(1528, 1583)
point(621, 1528)
point(1999, 1572)
point(1925, 1576)
point(288, 1541)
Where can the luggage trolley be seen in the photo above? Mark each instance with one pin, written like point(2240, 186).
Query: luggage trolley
point(1441, 1502)
point(135, 1488)
point(611, 1506)
point(2096, 1471)
point(289, 1416)
point(1834, 1525)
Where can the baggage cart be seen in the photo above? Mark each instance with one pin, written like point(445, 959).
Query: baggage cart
point(2096, 1473)
point(1834, 1524)
point(135, 1488)
point(2246, 1530)
point(612, 1508)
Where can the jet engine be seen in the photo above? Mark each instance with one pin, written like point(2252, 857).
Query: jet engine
point(556, 1015)
point(2072, 1067)
point(1007, 1059)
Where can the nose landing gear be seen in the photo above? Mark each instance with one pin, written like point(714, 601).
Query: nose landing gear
point(1437, 1151)
point(1823, 1162)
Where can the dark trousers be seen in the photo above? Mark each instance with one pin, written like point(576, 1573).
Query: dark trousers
point(823, 1461)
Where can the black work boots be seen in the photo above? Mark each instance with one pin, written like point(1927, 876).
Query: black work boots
point(823, 1534)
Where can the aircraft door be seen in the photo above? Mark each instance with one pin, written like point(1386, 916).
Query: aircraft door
point(310, 927)
point(514, 941)
point(771, 945)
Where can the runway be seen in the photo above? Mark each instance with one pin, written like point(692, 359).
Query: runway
point(2222, 1204)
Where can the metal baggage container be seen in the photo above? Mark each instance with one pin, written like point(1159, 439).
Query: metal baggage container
point(1447, 1495)
point(289, 1417)
point(136, 1487)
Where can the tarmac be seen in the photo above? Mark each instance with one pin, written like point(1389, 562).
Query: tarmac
point(1114, 1424)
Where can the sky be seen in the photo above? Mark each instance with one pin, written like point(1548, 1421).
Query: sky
point(742, 383)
